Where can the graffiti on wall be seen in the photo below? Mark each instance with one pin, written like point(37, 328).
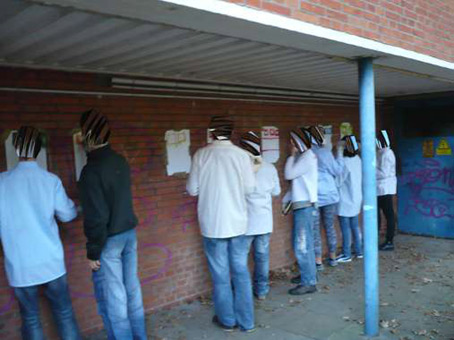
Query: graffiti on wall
point(426, 186)
point(429, 178)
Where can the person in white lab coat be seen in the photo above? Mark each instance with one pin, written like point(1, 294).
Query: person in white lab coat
point(260, 212)
point(386, 187)
point(222, 176)
point(301, 170)
point(351, 196)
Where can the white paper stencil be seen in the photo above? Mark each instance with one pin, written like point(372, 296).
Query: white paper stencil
point(80, 156)
point(270, 144)
point(177, 146)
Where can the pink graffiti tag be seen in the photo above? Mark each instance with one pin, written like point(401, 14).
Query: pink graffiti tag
point(430, 177)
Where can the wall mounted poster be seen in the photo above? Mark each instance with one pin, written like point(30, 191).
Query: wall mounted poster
point(80, 156)
point(270, 144)
point(177, 146)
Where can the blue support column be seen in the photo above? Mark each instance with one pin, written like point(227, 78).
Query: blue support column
point(367, 119)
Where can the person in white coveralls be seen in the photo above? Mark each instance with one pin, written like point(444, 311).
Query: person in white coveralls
point(260, 212)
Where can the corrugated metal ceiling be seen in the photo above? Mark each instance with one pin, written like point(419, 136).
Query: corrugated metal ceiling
point(57, 37)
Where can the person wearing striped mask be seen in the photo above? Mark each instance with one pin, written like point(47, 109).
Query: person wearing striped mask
point(221, 177)
point(386, 187)
point(260, 212)
point(351, 196)
point(30, 201)
point(301, 170)
point(328, 196)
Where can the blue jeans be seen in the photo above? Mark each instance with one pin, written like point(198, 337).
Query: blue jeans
point(60, 301)
point(261, 254)
point(326, 213)
point(119, 286)
point(349, 225)
point(229, 256)
point(303, 245)
point(98, 285)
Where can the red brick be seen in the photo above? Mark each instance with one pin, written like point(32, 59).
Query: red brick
point(167, 215)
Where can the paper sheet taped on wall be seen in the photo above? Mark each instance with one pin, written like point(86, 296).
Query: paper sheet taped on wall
point(11, 156)
point(177, 146)
point(270, 144)
point(80, 156)
point(346, 129)
point(428, 148)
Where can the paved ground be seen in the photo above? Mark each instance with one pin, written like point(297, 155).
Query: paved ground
point(416, 302)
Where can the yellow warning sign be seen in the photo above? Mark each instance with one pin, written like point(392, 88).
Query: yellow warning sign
point(443, 148)
point(428, 148)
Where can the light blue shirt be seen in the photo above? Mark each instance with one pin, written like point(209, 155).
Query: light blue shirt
point(328, 169)
point(30, 198)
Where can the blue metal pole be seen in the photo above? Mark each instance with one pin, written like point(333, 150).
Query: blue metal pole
point(367, 119)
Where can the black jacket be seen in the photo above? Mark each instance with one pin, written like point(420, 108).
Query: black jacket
point(105, 193)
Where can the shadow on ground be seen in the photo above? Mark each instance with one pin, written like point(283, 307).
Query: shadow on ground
point(416, 302)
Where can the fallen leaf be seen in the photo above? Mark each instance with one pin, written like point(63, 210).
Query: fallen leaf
point(420, 332)
point(427, 280)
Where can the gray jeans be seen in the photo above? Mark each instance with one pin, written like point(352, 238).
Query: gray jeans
point(326, 213)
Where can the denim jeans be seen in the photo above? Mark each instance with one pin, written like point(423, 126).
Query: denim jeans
point(120, 288)
point(327, 214)
point(60, 301)
point(303, 245)
point(350, 225)
point(98, 285)
point(228, 264)
point(261, 252)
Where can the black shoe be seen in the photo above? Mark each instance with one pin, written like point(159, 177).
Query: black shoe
point(387, 246)
point(296, 280)
point(301, 290)
point(222, 326)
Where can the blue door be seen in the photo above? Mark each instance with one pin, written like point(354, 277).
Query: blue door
point(426, 186)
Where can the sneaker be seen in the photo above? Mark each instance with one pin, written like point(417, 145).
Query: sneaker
point(320, 267)
point(222, 326)
point(343, 259)
point(301, 290)
point(387, 246)
point(251, 330)
point(360, 256)
point(332, 262)
point(296, 280)
point(260, 297)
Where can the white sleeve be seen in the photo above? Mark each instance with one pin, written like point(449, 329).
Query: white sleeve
point(277, 185)
point(65, 210)
point(192, 185)
point(295, 168)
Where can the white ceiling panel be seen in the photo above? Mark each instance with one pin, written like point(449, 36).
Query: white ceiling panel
point(66, 38)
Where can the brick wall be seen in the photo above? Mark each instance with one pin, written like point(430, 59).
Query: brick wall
point(171, 261)
point(419, 25)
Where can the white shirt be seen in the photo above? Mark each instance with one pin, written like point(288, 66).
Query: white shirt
point(221, 175)
point(30, 198)
point(302, 171)
point(386, 172)
point(350, 187)
point(259, 202)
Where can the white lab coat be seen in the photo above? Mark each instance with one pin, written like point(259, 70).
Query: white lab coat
point(221, 175)
point(259, 202)
point(302, 171)
point(350, 187)
point(386, 172)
